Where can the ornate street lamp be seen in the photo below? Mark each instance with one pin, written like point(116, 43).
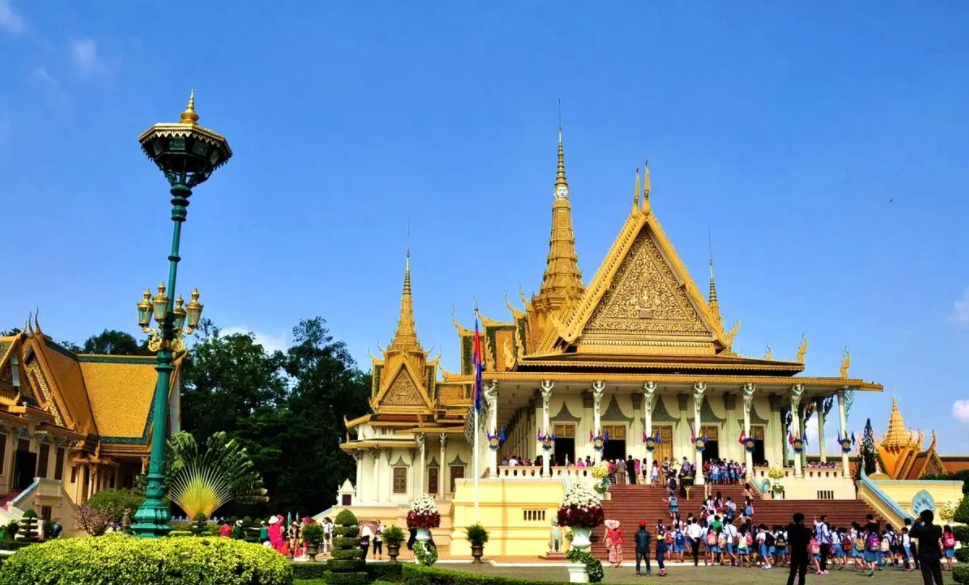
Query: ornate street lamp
point(187, 154)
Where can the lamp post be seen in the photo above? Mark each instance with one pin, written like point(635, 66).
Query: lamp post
point(187, 154)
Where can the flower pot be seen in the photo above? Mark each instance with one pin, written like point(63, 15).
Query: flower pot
point(423, 535)
point(580, 538)
point(393, 551)
point(578, 573)
point(477, 551)
point(312, 551)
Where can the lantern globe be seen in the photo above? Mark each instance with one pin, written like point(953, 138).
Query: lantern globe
point(160, 304)
point(144, 310)
point(194, 310)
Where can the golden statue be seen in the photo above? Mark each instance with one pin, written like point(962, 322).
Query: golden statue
point(845, 363)
point(802, 351)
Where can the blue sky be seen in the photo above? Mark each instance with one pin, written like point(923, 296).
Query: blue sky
point(823, 144)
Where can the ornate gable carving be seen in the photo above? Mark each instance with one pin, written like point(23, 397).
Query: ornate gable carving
point(645, 297)
point(403, 392)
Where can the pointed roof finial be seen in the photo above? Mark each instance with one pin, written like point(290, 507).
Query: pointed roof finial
point(189, 116)
point(636, 192)
point(561, 183)
point(646, 185)
point(405, 339)
point(712, 299)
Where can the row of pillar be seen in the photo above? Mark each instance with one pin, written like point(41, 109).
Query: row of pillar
point(649, 401)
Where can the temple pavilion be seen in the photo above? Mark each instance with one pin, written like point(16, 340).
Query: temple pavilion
point(71, 424)
point(636, 357)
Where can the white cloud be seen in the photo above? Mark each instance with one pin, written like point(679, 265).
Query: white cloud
point(86, 58)
point(960, 410)
point(10, 21)
point(49, 85)
point(269, 342)
point(960, 310)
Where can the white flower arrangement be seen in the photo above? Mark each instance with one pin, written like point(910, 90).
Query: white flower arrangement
point(582, 496)
point(423, 504)
point(601, 470)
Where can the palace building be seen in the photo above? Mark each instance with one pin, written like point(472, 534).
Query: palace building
point(636, 356)
point(71, 424)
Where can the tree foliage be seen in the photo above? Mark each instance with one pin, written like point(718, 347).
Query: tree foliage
point(868, 448)
point(114, 342)
point(285, 408)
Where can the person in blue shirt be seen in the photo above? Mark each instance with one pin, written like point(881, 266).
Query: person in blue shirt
point(642, 539)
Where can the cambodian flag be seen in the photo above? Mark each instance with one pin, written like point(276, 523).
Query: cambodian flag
point(477, 359)
point(743, 437)
point(790, 437)
point(657, 438)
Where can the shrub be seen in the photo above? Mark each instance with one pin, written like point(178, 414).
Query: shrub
point(345, 571)
point(345, 555)
point(394, 535)
point(28, 526)
point(121, 559)
point(200, 527)
point(180, 533)
point(10, 530)
point(961, 575)
point(593, 567)
point(14, 545)
point(94, 522)
point(115, 502)
point(962, 512)
point(476, 533)
point(426, 555)
point(386, 572)
point(962, 534)
point(303, 571)
point(962, 555)
point(313, 534)
point(418, 575)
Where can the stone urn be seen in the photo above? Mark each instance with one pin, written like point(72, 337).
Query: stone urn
point(423, 535)
point(477, 551)
point(580, 538)
point(393, 551)
point(312, 550)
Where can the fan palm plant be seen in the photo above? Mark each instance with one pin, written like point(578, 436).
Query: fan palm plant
point(202, 482)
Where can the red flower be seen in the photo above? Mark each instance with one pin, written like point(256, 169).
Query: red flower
point(581, 517)
point(423, 520)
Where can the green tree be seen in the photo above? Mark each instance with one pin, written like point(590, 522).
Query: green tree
point(868, 448)
point(114, 342)
point(327, 388)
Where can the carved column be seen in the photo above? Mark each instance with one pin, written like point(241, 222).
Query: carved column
point(443, 472)
point(358, 487)
point(822, 451)
point(491, 395)
point(388, 486)
point(748, 404)
point(649, 400)
point(796, 391)
point(375, 492)
point(598, 387)
point(421, 480)
point(698, 389)
point(546, 397)
point(843, 415)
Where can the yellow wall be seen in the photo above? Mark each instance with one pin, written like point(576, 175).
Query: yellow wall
point(903, 491)
point(511, 512)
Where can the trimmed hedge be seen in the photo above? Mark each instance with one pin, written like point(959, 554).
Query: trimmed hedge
point(347, 531)
point(420, 575)
point(385, 572)
point(344, 542)
point(16, 544)
point(338, 566)
point(962, 534)
point(347, 555)
point(962, 555)
point(122, 559)
point(960, 575)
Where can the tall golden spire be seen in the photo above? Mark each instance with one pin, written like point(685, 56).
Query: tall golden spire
point(405, 339)
point(189, 116)
point(898, 435)
point(713, 302)
point(563, 279)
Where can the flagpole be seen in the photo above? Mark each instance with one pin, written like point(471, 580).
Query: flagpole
point(477, 473)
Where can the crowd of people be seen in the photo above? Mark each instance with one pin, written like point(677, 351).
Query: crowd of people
point(722, 540)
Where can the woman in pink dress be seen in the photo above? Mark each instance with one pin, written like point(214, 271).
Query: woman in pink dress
point(614, 542)
point(276, 539)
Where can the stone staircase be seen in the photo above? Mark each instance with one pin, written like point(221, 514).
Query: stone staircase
point(631, 504)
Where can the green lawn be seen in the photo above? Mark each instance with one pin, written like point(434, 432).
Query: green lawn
point(698, 575)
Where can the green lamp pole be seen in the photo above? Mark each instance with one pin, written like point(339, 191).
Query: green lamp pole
point(187, 154)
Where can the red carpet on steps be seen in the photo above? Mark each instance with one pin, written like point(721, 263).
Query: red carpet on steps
point(631, 504)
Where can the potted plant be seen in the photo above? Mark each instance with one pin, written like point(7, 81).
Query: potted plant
point(477, 536)
point(313, 537)
point(393, 538)
point(581, 510)
point(423, 516)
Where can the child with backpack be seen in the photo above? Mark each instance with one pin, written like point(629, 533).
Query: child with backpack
point(872, 549)
point(661, 548)
point(674, 506)
point(743, 546)
point(948, 545)
point(814, 548)
point(762, 545)
point(679, 544)
point(780, 546)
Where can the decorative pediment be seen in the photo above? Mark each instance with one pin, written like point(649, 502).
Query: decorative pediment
point(400, 462)
point(641, 301)
point(613, 413)
point(402, 391)
point(564, 415)
point(707, 414)
point(660, 413)
point(457, 461)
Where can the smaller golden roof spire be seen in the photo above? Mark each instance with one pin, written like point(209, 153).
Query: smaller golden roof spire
point(636, 192)
point(646, 186)
point(405, 339)
point(714, 303)
point(561, 183)
point(189, 116)
point(897, 435)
